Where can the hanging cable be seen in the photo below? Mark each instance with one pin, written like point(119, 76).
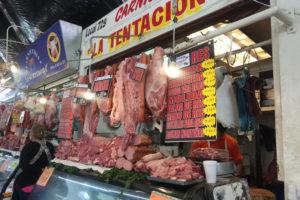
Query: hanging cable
point(261, 3)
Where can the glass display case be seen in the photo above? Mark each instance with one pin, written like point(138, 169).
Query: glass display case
point(7, 166)
point(62, 186)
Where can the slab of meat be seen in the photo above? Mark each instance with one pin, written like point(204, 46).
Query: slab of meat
point(142, 139)
point(77, 109)
point(144, 59)
point(205, 153)
point(127, 165)
point(104, 103)
point(134, 153)
point(179, 169)
point(119, 163)
point(126, 100)
point(4, 115)
point(121, 153)
point(51, 114)
point(154, 156)
point(40, 119)
point(156, 85)
point(91, 121)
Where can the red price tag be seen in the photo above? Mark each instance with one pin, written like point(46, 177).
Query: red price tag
point(44, 178)
point(138, 71)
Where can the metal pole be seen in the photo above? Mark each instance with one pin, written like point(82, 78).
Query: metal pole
point(236, 25)
point(260, 44)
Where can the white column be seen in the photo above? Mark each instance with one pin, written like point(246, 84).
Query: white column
point(286, 66)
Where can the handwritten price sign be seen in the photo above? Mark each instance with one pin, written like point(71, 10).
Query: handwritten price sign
point(44, 178)
point(160, 196)
point(191, 110)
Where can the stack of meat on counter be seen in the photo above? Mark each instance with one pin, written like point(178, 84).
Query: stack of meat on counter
point(132, 99)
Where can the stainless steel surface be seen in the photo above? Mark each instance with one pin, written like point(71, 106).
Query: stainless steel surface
point(226, 168)
point(174, 182)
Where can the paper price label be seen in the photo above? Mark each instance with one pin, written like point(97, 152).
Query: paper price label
point(209, 73)
point(160, 196)
point(44, 178)
point(210, 82)
point(210, 110)
point(210, 100)
point(210, 131)
point(209, 91)
point(208, 63)
point(209, 121)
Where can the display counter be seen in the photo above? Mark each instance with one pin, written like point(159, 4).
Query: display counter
point(63, 186)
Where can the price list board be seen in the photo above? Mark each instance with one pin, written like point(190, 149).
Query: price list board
point(191, 111)
point(66, 116)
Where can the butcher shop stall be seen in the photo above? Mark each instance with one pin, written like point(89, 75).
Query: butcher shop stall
point(138, 102)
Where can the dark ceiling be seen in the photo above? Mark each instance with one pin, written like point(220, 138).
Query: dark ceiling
point(39, 15)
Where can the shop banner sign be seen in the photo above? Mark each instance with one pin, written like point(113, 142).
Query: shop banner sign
point(191, 111)
point(149, 18)
point(42, 59)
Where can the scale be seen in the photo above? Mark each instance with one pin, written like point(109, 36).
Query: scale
point(224, 169)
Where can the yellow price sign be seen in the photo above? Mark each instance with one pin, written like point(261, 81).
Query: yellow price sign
point(210, 82)
point(208, 63)
point(210, 110)
point(209, 74)
point(210, 131)
point(209, 121)
point(210, 100)
point(209, 91)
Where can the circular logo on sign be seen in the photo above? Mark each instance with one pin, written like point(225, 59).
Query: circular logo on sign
point(53, 47)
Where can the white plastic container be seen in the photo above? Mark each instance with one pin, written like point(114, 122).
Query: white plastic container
point(210, 168)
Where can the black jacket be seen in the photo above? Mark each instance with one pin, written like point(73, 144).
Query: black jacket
point(31, 173)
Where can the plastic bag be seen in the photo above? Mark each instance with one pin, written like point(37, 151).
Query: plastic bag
point(30, 104)
point(19, 105)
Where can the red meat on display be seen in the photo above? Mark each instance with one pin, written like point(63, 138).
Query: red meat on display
point(51, 114)
point(156, 85)
point(77, 109)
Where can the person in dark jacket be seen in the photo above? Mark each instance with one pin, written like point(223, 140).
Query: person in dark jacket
point(34, 157)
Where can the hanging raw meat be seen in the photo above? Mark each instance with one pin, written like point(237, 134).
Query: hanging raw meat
point(105, 103)
point(143, 109)
point(51, 114)
point(156, 85)
point(118, 98)
point(77, 109)
point(4, 115)
point(91, 120)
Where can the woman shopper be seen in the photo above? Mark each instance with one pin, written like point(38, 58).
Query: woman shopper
point(34, 157)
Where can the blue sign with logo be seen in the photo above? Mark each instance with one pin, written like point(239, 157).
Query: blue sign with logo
point(43, 58)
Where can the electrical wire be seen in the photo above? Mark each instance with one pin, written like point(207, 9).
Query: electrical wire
point(261, 3)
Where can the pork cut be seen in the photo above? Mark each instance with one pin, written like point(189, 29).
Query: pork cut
point(91, 120)
point(4, 115)
point(135, 153)
point(104, 102)
point(155, 156)
point(51, 114)
point(77, 109)
point(156, 85)
point(142, 139)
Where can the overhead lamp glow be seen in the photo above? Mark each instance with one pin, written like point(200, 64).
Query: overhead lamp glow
point(13, 69)
point(3, 81)
point(172, 70)
point(89, 95)
point(43, 100)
